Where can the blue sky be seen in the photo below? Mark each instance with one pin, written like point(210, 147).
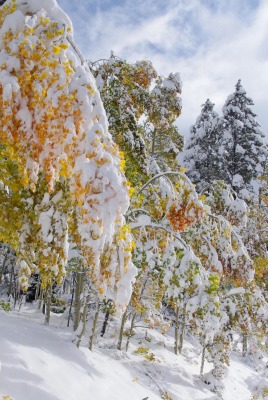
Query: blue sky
point(212, 43)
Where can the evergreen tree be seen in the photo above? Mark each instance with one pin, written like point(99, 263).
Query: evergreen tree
point(230, 148)
point(203, 157)
point(242, 140)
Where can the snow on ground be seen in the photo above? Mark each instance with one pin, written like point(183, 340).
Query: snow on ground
point(41, 363)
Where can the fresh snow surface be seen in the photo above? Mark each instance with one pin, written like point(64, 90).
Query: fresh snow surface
point(38, 362)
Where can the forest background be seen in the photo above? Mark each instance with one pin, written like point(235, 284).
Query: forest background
point(108, 225)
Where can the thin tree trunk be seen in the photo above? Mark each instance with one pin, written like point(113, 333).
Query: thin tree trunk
point(17, 293)
point(203, 360)
point(244, 344)
point(91, 339)
point(132, 320)
point(176, 339)
point(3, 267)
point(48, 303)
point(23, 297)
point(11, 281)
point(181, 335)
point(16, 297)
point(44, 301)
point(37, 290)
point(131, 330)
point(123, 321)
point(153, 142)
point(71, 305)
point(41, 296)
point(105, 323)
point(78, 303)
point(14, 286)
point(84, 320)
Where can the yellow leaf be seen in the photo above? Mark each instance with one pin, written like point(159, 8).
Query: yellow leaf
point(56, 50)
point(64, 46)
point(131, 191)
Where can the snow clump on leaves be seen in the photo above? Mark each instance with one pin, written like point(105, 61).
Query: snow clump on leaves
point(54, 129)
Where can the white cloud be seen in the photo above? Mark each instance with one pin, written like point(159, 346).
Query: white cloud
point(211, 43)
point(213, 71)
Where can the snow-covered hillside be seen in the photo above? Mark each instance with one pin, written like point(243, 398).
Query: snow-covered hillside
point(42, 363)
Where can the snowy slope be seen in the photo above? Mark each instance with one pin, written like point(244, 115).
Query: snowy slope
point(41, 363)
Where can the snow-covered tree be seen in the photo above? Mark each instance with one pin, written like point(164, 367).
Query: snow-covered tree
point(191, 291)
point(215, 238)
point(54, 135)
point(141, 108)
point(157, 215)
point(8, 271)
point(251, 316)
point(162, 137)
point(203, 156)
point(124, 90)
point(230, 148)
point(242, 140)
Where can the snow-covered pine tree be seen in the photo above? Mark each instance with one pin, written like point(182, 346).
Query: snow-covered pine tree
point(203, 157)
point(242, 140)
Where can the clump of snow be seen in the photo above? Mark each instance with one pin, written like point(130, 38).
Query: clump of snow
point(237, 180)
point(50, 6)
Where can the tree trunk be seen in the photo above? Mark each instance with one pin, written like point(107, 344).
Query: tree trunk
point(91, 339)
point(182, 329)
point(202, 360)
point(181, 337)
point(11, 281)
point(48, 303)
point(3, 267)
point(17, 293)
point(176, 338)
point(105, 323)
point(41, 297)
point(244, 344)
point(84, 320)
point(123, 321)
point(22, 300)
point(71, 305)
point(130, 330)
point(153, 142)
point(37, 290)
point(78, 303)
